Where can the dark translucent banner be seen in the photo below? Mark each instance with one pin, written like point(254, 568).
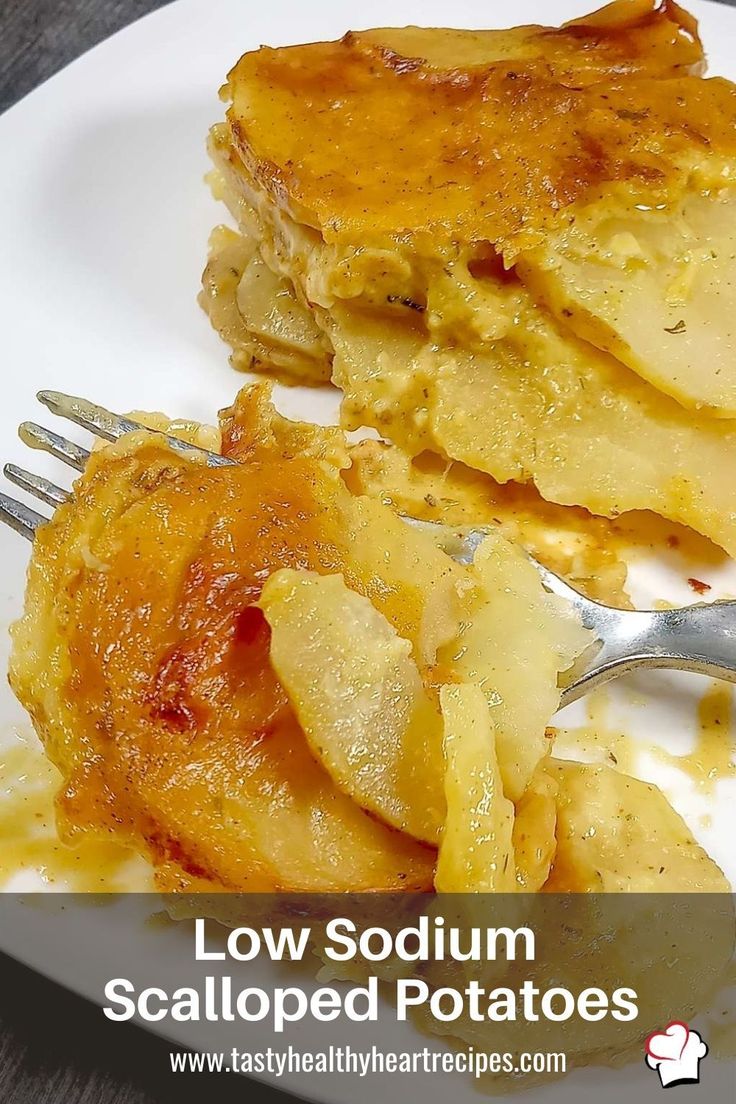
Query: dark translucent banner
point(338, 997)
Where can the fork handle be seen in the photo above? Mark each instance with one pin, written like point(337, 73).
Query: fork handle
point(698, 638)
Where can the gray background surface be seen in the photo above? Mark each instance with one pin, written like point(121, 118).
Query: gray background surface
point(56, 1048)
point(38, 37)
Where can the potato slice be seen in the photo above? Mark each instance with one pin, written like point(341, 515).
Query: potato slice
point(672, 951)
point(616, 834)
point(534, 837)
point(513, 643)
point(388, 168)
point(545, 408)
point(408, 579)
point(275, 820)
point(359, 698)
point(406, 576)
point(655, 288)
point(476, 852)
point(273, 314)
point(143, 660)
point(566, 539)
point(257, 313)
point(649, 41)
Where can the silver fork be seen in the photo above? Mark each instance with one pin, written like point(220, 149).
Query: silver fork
point(700, 638)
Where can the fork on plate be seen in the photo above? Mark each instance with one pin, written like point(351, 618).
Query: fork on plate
point(699, 638)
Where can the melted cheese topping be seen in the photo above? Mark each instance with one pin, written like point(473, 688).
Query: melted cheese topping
point(538, 281)
point(481, 152)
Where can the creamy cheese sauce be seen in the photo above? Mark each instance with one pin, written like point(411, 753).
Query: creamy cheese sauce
point(709, 761)
point(29, 843)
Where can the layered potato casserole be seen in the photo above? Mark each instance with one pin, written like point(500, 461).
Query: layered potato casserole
point(514, 252)
point(262, 679)
point(513, 249)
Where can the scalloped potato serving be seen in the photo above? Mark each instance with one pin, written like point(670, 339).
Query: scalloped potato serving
point(514, 252)
point(262, 680)
point(513, 249)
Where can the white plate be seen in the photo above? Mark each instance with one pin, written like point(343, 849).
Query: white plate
point(104, 220)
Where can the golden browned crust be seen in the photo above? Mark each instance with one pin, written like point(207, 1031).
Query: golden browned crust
point(637, 36)
point(143, 660)
point(366, 144)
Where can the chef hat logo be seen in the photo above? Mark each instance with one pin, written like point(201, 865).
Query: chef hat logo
point(675, 1054)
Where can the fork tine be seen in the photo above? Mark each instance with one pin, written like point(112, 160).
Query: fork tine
point(20, 517)
point(36, 485)
point(103, 423)
point(35, 436)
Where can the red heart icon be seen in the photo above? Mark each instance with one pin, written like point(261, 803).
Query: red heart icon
point(669, 1044)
